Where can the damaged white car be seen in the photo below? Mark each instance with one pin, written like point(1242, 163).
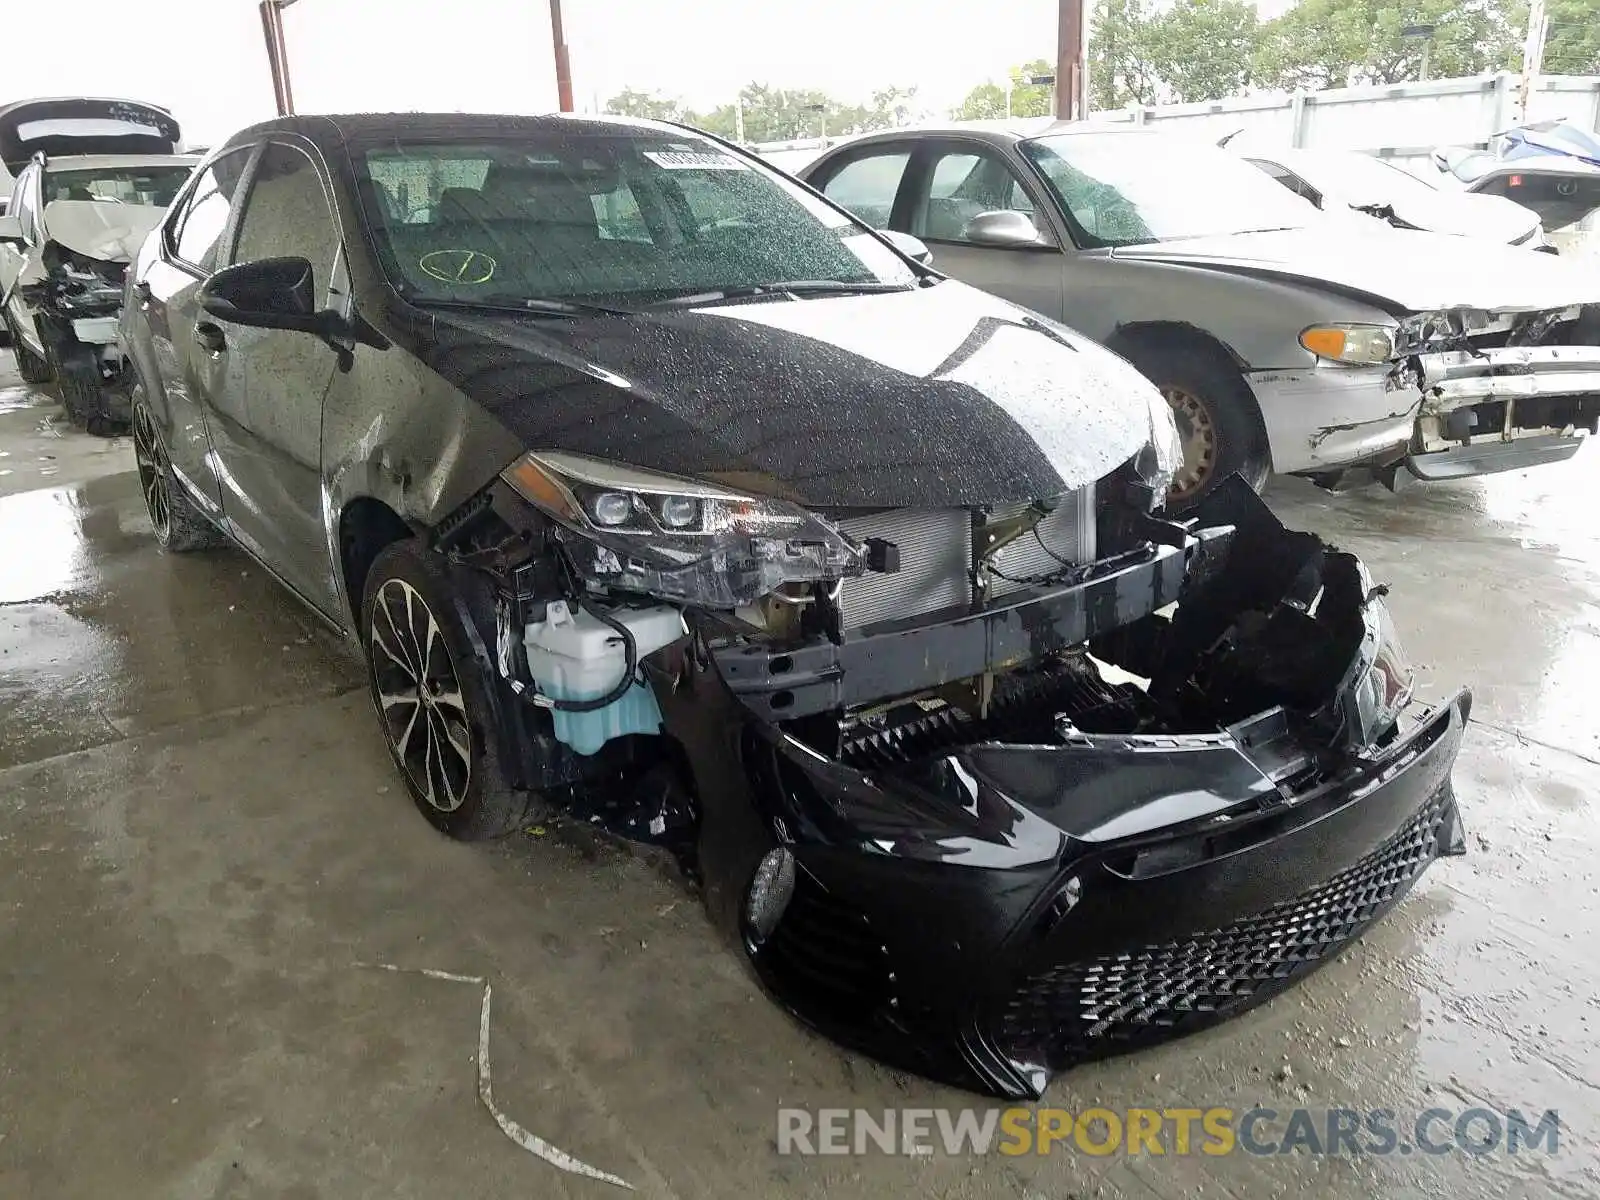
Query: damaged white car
point(1285, 339)
point(92, 179)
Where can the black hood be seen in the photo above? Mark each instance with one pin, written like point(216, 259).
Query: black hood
point(939, 395)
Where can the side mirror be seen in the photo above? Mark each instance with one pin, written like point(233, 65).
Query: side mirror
point(11, 229)
point(913, 248)
point(1439, 160)
point(270, 293)
point(1003, 228)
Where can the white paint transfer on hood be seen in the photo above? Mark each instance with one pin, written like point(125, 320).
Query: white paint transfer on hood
point(101, 229)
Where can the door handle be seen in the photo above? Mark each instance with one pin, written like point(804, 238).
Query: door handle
point(210, 336)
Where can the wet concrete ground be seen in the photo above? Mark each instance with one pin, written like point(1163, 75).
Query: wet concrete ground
point(201, 841)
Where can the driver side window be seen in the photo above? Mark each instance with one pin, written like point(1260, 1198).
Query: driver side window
point(960, 185)
point(286, 214)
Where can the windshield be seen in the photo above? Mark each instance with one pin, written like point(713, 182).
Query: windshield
point(1127, 189)
point(622, 218)
point(153, 186)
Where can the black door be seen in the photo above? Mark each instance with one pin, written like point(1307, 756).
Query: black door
point(166, 287)
point(266, 420)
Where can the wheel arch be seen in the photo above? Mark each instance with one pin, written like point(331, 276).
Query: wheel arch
point(1147, 333)
point(366, 526)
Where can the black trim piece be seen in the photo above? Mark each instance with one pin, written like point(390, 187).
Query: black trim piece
point(900, 658)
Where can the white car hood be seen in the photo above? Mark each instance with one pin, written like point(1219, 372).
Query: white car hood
point(100, 229)
point(1402, 270)
point(1468, 214)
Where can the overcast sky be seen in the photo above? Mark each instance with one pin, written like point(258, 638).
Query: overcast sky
point(204, 59)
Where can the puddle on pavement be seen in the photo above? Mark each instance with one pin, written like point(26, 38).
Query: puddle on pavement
point(51, 539)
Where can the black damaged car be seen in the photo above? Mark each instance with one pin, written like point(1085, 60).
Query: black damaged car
point(660, 491)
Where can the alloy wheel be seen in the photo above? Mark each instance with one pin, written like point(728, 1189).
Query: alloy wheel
point(151, 458)
point(1198, 433)
point(419, 695)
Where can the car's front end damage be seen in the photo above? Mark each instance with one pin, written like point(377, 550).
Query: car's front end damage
point(982, 791)
point(74, 283)
point(1498, 390)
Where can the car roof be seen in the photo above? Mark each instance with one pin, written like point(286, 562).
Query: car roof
point(996, 133)
point(98, 162)
point(336, 129)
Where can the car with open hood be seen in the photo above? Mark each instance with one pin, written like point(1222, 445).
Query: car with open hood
point(661, 494)
point(90, 180)
point(1364, 184)
point(1284, 338)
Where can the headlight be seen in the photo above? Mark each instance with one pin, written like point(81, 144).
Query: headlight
point(1381, 682)
point(1157, 464)
point(1350, 343)
point(679, 539)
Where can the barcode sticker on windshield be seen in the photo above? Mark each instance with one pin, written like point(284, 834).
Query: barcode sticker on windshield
point(694, 160)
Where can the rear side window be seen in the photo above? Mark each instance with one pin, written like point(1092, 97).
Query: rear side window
point(867, 186)
point(195, 230)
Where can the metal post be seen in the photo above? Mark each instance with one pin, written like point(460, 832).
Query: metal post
point(1072, 63)
point(1532, 54)
point(1427, 51)
point(563, 65)
point(277, 54)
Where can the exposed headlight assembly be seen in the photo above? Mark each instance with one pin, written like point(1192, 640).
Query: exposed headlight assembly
point(1380, 682)
point(1367, 344)
point(679, 539)
point(1157, 464)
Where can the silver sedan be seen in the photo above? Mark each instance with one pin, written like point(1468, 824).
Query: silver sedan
point(1283, 338)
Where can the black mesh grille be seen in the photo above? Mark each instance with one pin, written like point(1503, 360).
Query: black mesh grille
point(825, 959)
point(1083, 1010)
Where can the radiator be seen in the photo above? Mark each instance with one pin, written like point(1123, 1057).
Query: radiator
point(936, 557)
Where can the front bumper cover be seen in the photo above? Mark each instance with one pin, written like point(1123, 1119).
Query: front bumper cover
point(994, 912)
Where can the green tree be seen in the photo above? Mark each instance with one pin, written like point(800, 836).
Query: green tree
point(1201, 49)
point(1121, 71)
point(653, 106)
point(1572, 46)
point(1331, 43)
point(987, 101)
point(781, 115)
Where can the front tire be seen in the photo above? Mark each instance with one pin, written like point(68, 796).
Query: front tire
point(30, 366)
point(1217, 416)
point(179, 526)
point(430, 691)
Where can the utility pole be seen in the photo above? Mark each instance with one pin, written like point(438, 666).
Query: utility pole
point(277, 54)
point(563, 64)
point(738, 116)
point(1532, 54)
point(1072, 63)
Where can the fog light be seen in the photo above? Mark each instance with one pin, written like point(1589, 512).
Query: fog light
point(771, 888)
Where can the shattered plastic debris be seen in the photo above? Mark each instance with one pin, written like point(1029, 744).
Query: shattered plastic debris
point(531, 1142)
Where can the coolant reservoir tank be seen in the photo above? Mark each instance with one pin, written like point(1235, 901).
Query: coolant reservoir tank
point(573, 655)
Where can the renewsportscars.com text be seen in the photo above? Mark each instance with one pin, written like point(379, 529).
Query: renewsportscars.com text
point(1160, 1131)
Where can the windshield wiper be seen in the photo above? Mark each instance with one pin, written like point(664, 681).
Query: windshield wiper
point(545, 306)
point(797, 287)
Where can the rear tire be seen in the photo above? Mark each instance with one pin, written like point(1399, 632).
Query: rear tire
point(430, 691)
point(179, 526)
point(30, 366)
point(1217, 415)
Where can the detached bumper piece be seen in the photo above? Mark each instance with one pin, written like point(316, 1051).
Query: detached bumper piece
point(1504, 408)
point(993, 960)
